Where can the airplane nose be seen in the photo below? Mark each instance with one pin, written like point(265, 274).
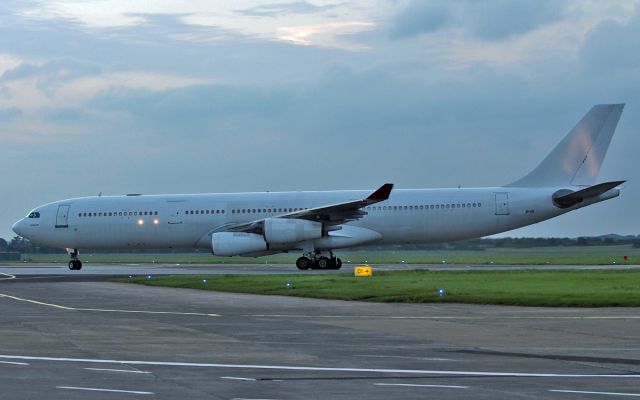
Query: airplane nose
point(18, 227)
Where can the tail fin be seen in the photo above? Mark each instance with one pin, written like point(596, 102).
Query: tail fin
point(576, 160)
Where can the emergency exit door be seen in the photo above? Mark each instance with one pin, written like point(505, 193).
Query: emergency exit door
point(62, 219)
point(502, 203)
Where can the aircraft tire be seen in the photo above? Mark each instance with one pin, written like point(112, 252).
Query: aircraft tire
point(338, 264)
point(75, 265)
point(304, 263)
point(324, 263)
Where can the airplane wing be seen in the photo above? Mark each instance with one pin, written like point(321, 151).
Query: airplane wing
point(333, 214)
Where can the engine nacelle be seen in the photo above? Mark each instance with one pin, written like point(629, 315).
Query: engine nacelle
point(236, 243)
point(286, 230)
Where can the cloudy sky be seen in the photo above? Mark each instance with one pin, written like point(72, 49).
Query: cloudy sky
point(168, 96)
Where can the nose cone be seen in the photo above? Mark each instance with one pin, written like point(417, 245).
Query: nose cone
point(18, 227)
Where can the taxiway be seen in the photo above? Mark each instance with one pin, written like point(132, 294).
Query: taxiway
point(67, 335)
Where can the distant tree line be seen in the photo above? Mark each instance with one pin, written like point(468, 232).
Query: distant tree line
point(21, 245)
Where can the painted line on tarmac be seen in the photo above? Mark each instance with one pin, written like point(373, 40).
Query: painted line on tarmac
point(58, 306)
point(419, 385)
point(318, 369)
point(238, 378)
point(40, 303)
point(14, 363)
point(602, 393)
point(247, 398)
point(404, 357)
point(7, 276)
point(103, 390)
point(443, 317)
point(131, 371)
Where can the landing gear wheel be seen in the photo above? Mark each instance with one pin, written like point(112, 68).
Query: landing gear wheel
point(338, 264)
point(303, 263)
point(323, 263)
point(75, 264)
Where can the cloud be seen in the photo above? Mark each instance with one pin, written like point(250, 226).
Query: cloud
point(307, 35)
point(30, 93)
point(420, 17)
point(613, 45)
point(487, 20)
point(277, 9)
point(173, 105)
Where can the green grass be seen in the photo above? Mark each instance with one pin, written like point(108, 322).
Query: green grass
point(574, 288)
point(587, 255)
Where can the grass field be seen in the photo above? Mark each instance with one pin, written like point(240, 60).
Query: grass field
point(575, 288)
point(587, 255)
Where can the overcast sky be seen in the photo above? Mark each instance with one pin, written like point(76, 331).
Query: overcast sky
point(163, 96)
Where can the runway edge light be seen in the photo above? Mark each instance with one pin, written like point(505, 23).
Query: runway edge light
point(363, 270)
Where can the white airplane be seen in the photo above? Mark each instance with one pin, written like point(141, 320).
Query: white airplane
point(316, 223)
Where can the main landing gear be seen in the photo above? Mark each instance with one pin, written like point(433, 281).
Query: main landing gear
point(317, 261)
point(75, 263)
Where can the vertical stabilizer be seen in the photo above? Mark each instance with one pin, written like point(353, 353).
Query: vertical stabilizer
point(576, 160)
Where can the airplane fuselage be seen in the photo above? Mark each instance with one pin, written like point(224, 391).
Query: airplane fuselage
point(187, 221)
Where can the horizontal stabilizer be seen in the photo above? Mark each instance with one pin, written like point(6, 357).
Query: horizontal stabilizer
point(573, 198)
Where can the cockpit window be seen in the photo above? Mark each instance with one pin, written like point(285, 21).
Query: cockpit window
point(34, 214)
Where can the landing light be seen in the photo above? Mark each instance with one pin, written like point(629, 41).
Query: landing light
point(140, 222)
point(156, 222)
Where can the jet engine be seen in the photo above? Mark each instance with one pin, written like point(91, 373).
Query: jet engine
point(289, 230)
point(236, 243)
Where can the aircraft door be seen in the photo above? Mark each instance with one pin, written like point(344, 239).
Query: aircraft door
point(62, 218)
point(502, 203)
point(174, 216)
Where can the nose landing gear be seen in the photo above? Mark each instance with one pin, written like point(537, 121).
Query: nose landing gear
point(75, 263)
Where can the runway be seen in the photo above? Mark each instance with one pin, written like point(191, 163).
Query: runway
point(67, 335)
